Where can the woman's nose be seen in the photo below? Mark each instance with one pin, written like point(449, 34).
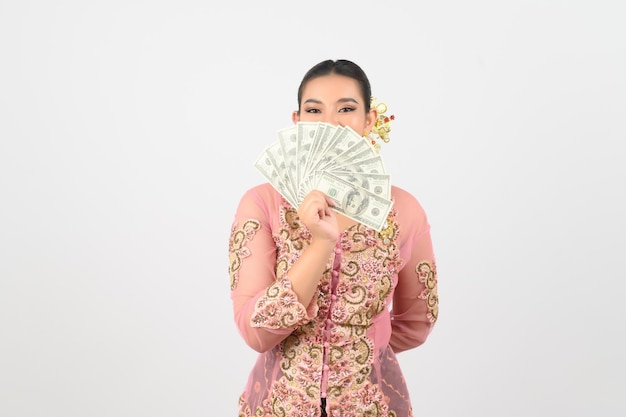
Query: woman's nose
point(331, 118)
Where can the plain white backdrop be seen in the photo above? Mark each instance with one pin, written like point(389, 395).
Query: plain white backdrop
point(128, 133)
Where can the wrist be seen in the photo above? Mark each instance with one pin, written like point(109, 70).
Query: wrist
point(323, 245)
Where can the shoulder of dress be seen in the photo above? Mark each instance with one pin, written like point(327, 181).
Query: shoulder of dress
point(410, 211)
point(403, 197)
point(263, 197)
point(261, 187)
point(264, 190)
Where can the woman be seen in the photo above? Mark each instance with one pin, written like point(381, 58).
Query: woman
point(328, 302)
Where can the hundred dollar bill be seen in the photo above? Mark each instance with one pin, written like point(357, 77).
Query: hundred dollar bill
point(267, 167)
point(325, 131)
point(355, 202)
point(288, 139)
point(275, 153)
point(322, 138)
point(343, 139)
point(379, 184)
point(306, 137)
point(329, 143)
point(361, 149)
point(373, 165)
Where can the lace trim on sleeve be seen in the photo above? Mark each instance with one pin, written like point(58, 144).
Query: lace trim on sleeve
point(279, 308)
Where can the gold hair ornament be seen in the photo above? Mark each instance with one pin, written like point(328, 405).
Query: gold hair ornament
point(382, 126)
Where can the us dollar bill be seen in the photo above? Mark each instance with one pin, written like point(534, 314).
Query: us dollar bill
point(288, 140)
point(372, 165)
point(307, 132)
point(266, 165)
point(343, 139)
point(308, 151)
point(360, 150)
point(379, 184)
point(355, 202)
point(321, 141)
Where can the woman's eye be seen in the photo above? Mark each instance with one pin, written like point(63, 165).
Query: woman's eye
point(346, 109)
point(312, 111)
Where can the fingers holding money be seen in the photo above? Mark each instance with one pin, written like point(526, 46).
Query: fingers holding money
point(316, 214)
point(315, 207)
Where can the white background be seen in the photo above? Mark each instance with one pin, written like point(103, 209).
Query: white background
point(128, 132)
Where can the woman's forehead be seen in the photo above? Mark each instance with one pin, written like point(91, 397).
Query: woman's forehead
point(332, 85)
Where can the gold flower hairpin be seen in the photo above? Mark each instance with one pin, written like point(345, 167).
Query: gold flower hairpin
point(382, 126)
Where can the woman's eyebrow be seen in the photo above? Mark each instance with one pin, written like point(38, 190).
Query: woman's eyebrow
point(341, 100)
point(347, 100)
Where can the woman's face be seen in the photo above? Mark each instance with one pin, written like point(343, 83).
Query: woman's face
point(335, 99)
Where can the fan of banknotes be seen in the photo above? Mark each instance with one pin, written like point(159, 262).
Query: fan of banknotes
point(333, 159)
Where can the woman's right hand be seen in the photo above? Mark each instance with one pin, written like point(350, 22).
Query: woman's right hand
point(316, 215)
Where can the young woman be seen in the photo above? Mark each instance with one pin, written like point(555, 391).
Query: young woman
point(326, 301)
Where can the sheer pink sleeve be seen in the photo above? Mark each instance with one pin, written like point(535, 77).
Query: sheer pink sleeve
point(266, 310)
point(415, 302)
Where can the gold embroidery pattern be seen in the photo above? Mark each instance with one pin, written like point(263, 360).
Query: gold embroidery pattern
point(237, 249)
point(292, 236)
point(366, 279)
point(369, 262)
point(427, 275)
point(279, 308)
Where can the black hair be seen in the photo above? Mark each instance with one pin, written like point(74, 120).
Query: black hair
point(340, 67)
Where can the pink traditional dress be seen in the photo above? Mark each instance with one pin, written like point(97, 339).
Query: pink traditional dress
point(377, 297)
